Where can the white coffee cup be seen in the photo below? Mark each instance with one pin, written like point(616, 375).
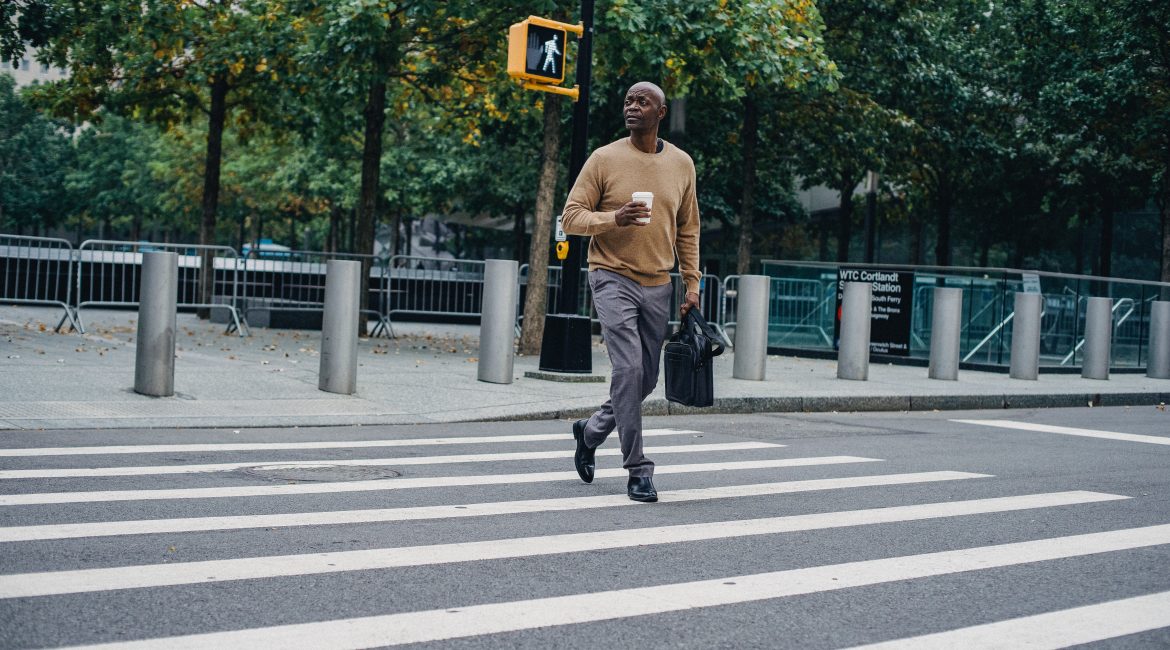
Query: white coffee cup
point(648, 199)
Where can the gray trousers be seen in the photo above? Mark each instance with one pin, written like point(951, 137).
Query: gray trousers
point(633, 322)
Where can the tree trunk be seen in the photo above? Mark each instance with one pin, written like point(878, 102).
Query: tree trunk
point(334, 228)
point(1101, 288)
point(1081, 243)
point(375, 117)
point(1106, 247)
point(942, 246)
point(845, 217)
point(1164, 209)
point(519, 232)
point(396, 236)
point(747, 208)
point(916, 236)
point(215, 123)
point(678, 122)
point(985, 235)
point(823, 230)
point(536, 300)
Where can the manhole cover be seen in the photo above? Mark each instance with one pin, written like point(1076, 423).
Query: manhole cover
point(319, 472)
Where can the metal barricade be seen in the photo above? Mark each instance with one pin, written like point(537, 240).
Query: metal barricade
point(434, 286)
point(727, 306)
point(38, 271)
point(710, 300)
point(109, 275)
point(710, 296)
point(584, 300)
point(801, 307)
point(294, 281)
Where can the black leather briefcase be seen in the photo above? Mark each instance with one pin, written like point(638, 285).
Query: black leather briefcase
point(690, 378)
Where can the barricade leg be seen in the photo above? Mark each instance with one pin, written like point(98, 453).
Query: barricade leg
point(853, 349)
point(1158, 364)
point(751, 332)
point(154, 360)
point(1098, 337)
point(498, 314)
point(1025, 361)
point(946, 322)
point(338, 373)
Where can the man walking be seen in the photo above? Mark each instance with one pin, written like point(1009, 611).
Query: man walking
point(633, 249)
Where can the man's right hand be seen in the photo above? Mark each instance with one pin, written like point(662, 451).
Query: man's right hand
point(628, 214)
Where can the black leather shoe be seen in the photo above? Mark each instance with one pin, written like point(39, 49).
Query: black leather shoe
point(641, 488)
point(583, 458)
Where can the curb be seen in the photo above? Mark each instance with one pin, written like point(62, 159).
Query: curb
point(745, 405)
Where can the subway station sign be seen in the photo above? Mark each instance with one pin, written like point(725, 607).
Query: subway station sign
point(891, 309)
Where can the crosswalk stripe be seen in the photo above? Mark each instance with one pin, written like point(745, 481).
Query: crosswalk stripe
point(1069, 431)
point(1060, 629)
point(418, 513)
point(45, 498)
point(326, 444)
point(164, 575)
point(158, 470)
point(493, 618)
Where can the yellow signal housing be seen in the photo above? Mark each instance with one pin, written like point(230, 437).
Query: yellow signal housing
point(536, 53)
point(562, 250)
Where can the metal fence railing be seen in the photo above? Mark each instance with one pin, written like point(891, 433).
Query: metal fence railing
point(432, 286)
point(802, 302)
point(584, 296)
point(109, 275)
point(38, 271)
point(988, 299)
point(294, 281)
point(710, 296)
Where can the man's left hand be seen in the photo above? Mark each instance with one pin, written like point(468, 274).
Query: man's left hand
point(691, 301)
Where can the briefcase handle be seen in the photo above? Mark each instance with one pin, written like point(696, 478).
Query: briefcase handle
point(704, 327)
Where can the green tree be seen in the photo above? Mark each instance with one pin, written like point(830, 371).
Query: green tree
point(369, 53)
point(112, 178)
point(168, 61)
point(748, 53)
point(34, 154)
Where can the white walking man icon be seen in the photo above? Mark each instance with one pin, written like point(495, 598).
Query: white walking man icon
point(550, 52)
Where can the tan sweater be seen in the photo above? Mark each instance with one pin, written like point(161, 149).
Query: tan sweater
point(644, 254)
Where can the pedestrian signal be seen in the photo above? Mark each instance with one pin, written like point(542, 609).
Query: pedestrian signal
point(536, 49)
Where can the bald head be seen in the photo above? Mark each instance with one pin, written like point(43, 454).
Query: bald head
point(652, 89)
point(644, 108)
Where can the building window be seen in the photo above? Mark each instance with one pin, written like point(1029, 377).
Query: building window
point(24, 64)
point(44, 68)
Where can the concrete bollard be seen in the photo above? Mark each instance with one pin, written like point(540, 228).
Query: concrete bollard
point(853, 349)
point(497, 321)
point(751, 328)
point(1025, 361)
point(339, 327)
point(1158, 363)
point(154, 357)
point(946, 322)
point(1098, 338)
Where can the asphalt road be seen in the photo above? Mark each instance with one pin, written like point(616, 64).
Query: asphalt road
point(775, 531)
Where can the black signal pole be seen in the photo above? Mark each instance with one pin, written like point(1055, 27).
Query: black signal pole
point(567, 335)
point(570, 274)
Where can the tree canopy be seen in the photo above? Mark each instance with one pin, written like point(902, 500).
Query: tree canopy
point(1034, 133)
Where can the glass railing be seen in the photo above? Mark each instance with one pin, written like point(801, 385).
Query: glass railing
point(803, 310)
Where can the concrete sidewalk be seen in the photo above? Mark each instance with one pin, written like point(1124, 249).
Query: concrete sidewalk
point(428, 374)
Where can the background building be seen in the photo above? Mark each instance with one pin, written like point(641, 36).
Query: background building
point(28, 70)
